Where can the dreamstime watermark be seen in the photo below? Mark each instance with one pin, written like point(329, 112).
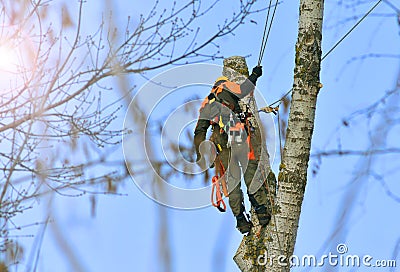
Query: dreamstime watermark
point(337, 259)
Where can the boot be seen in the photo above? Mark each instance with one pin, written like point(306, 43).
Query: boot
point(263, 215)
point(243, 224)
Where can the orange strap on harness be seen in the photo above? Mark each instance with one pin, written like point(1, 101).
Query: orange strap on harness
point(218, 181)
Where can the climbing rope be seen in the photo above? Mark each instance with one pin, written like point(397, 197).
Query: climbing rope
point(275, 110)
point(274, 107)
point(279, 133)
point(268, 25)
point(279, 101)
point(351, 30)
point(219, 186)
point(216, 191)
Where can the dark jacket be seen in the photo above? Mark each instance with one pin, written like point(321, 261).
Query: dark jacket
point(228, 94)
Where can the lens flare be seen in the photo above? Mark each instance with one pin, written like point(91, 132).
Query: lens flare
point(7, 59)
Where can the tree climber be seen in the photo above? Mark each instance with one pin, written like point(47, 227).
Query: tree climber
point(237, 143)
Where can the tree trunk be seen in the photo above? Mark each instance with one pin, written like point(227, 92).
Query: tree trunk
point(280, 235)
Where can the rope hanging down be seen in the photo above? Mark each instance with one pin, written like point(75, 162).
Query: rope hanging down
point(274, 107)
point(219, 187)
point(266, 33)
point(279, 101)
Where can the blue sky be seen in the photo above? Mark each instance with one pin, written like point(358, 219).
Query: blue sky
point(124, 235)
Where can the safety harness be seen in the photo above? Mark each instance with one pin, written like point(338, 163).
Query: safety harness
point(238, 130)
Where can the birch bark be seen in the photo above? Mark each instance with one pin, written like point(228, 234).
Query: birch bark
point(261, 253)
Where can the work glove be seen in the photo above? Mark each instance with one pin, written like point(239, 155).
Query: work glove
point(257, 71)
point(201, 162)
point(198, 157)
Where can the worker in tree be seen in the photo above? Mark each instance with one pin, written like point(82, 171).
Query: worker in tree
point(234, 139)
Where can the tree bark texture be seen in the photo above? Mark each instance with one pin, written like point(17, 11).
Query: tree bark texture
point(260, 253)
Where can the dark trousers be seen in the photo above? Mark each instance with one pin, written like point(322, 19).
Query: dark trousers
point(236, 161)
